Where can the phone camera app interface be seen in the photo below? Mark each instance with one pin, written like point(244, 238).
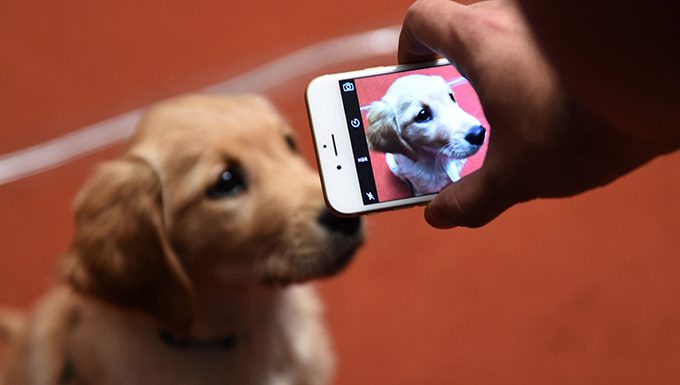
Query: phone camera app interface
point(413, 132)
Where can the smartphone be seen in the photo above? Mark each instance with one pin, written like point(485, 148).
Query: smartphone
point(392, 137)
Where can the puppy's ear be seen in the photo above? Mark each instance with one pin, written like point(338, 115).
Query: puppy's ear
point(12, 324)
point(383, 133)
point(120, 252)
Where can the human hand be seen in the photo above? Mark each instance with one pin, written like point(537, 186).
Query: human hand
point(543, 143)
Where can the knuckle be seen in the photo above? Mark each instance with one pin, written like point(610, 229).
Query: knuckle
point(412, 12)
point(417, 10)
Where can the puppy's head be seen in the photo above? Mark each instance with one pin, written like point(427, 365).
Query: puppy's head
point(211, 191)
point(418, 116)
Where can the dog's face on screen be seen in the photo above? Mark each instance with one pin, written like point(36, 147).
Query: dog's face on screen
point(419, 117)
point(211, 191)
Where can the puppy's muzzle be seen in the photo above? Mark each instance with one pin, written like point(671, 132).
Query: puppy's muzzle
point(346, 226)
point(475, 135)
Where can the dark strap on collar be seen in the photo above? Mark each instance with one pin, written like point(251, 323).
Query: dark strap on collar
point(68, 373)
point(185, 343)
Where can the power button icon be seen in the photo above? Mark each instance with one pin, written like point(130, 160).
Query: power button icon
point(355, 123)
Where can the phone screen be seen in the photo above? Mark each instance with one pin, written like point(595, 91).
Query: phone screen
point(413, 132)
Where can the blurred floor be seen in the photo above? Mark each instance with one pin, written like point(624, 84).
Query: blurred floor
point(577, 291)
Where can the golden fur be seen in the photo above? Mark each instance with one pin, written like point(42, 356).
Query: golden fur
point(161, 248)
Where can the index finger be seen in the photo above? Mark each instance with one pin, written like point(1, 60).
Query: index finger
point(430, 31)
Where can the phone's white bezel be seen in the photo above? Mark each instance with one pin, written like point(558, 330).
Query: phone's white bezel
point(327, 117)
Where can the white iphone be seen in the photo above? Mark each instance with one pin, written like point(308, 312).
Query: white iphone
point(391, 137)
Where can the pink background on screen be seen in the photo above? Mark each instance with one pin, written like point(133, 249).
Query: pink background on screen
point(371, 89)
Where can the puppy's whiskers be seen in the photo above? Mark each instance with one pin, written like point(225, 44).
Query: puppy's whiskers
point(448, 151)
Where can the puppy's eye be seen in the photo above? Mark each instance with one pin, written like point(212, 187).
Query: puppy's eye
point(423, 115)
point(229, 184)
point(291, 143)
point(452, 98)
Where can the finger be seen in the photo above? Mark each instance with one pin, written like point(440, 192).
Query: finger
point(433, 28)
point(473, 201)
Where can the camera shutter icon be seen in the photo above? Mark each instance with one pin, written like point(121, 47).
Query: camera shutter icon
point(348, 87)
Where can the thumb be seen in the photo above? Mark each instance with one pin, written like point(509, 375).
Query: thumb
point(473, 201)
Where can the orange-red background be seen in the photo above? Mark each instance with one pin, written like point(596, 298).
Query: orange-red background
point(577, 291)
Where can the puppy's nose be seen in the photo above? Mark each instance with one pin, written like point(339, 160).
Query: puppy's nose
point(475, 135)
point(331, 222)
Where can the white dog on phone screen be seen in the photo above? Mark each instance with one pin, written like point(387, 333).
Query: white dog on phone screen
point(425, 134)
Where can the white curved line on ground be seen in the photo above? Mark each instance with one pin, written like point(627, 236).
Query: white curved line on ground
point(56, 152)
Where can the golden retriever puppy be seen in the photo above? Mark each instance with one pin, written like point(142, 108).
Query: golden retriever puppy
point(188, 257)
point(423, 131)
